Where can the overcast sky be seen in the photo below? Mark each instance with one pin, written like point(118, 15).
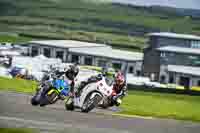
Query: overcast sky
point(195, 4)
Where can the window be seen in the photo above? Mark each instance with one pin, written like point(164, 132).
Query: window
point(131, 69)
point(59, 54)
point(171, 54)
point(138, 73)
point(195, 44)
point(162, 54)
point(171, 79)
point(198, 83)
point(34, 51)
point(117, 66)
point(194, 60)
point(102, 63)
point(162, 79)
point(197, 63)
point(193, 57)
point(88, 60)
point(47, 52)
point(75, 58)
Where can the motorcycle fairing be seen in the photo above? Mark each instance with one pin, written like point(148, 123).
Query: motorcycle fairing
point(87, 90)
point(94, 87)
point(61, 86)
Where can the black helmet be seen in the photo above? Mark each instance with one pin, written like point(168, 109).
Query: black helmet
point(72, 72)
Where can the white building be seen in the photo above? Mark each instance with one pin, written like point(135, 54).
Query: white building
point(88, 54)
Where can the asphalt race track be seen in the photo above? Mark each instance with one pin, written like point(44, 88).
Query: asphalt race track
point(16, 111)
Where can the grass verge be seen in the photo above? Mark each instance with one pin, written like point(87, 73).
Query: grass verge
point(18, 85)
point(162, 105)
point(17, 130)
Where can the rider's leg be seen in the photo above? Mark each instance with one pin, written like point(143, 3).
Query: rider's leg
point(81, 86)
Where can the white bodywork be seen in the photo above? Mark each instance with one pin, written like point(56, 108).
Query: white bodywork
point(99, 87)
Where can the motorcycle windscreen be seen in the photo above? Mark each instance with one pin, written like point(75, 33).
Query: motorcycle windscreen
point(62, 86)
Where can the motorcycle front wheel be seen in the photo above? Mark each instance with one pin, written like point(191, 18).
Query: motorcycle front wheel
point(90, 103)
point(50, 98)
point(34, 101)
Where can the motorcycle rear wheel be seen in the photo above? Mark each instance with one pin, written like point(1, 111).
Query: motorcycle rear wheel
point(105, 104)
point(53, 97)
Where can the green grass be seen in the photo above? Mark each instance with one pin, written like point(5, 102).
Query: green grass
point(18, 85)
point(130, 43)
point(162, 105)
point(17, 130)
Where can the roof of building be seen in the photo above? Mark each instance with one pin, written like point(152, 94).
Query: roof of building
point(175, 35)
point(180, 50)
point(9, 52)
point(109, 53)
point(67, 43)
point(195, 71)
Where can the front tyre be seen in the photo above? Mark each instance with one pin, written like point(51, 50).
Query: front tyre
point(50, 98)
point(34, 101)
point(91, 103)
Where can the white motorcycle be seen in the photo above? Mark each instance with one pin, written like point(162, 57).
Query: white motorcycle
point(91, 96)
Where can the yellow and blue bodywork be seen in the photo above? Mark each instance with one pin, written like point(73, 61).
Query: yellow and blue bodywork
point(60, 86)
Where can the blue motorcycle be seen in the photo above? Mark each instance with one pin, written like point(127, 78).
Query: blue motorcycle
point(57, 89)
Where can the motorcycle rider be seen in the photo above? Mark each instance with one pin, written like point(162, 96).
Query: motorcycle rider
point(68, 75)
point(71, 74)
point(119, 87)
